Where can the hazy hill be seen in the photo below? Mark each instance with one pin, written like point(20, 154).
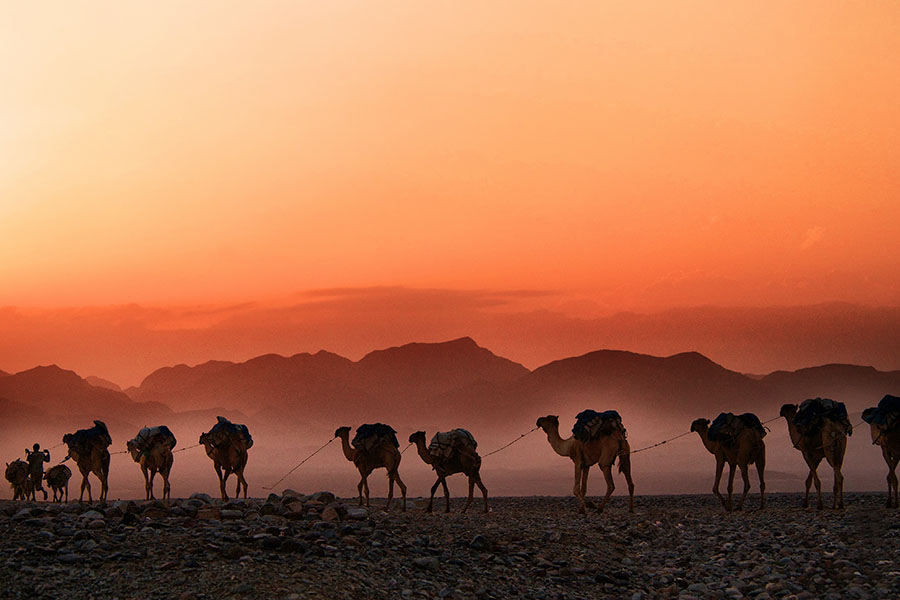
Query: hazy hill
point(103, 383)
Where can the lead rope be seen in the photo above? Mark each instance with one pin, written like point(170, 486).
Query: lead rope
point(322, 447)
point(511, 443)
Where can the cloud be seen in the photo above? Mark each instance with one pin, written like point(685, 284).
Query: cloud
point(812, 237)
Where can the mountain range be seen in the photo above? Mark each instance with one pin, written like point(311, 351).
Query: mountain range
point(416, 386)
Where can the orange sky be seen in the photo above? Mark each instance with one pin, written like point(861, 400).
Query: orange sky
point(630, 156)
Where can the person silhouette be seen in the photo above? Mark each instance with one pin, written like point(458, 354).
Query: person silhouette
point(36, 459)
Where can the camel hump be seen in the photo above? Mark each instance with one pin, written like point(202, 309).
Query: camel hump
point(727, 426)
point(224, 432)
point(150, 436)
point(887, 414)
point(370, 435)
point(591, 425)
point(81, 440)
point(444, 443)
point(813, 412)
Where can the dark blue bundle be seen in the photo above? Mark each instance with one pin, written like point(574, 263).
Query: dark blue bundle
point(727, 426)
point(814, 410)
point(752, 421)
point(223, 425)
point(166, 433)
point(82, 436)
point(590, 424)
point(887, 414)
point(375, 430)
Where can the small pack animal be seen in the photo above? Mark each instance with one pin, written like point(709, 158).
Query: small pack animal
point(727, 426)
point(222, 432)
point(591, 425)
point(887, 414)
point(444, 443)
point(814, 411)
point(371, 435)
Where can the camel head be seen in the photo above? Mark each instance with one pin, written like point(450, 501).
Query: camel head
point(417, 437)
point(67, 438)
point(700, 425)
point(342, 431)
point(548, 423)
point(788, 411)
point(132, 449)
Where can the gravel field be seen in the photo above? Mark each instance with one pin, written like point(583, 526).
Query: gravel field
point(296, 546)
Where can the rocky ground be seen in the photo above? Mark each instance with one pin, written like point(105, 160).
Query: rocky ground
point(296, 546)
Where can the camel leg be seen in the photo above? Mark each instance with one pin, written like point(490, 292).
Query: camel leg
point(610, 486)
point(390, 490)
point(402, 487)
point(484, 492)
point(818, 484)
point(167, 495)
point(431, 499)
point(148, 483)
point(366, 489)
point(221, 482)
point(471, 493)
point(893, 477)
point(838, 501)
point(578, 487)
point(446, 495)
point(746, 477)
point(720, 465)
point(584, 480)
point(761, 472)
point(730, 506)
point(359, 488)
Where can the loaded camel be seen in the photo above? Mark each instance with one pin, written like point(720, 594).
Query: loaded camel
point(88, 448)
point(886, 433)
point(828, 441)
point(58, 479)
point(457, 455)
point(602, 451)
point(227, 444)
point(152, 450)
point(380, 452)
point(745, 448)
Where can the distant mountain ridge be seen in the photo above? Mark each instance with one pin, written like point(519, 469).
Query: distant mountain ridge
point(436, 384)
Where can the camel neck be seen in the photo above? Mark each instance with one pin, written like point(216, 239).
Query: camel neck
point(563, 447)
point(792, 431)
point(423, 452)
point(708, 443)
point(349, 451)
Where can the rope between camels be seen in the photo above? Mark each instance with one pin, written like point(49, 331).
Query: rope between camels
point(322, 447)
point(681, 435)
point(407, 448)
point(511, 443)
point(188, 448)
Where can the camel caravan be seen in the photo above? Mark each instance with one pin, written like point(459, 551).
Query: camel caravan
point(818, 428)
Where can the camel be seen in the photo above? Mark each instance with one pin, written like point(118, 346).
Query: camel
point(460, 459)
point(384, 454)
point(19, 480)
point(602, 451)
point(746, 449)
point(88, 448)
point(227, 444)
point(889, 440)
point(828, 442)
point(58, 479)
point(152, 450)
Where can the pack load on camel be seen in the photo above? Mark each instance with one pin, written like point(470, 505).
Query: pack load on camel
point(814, 411)
point(444, 444)
point(886, 414)
point(17, 476)
point(151, 436)
point(592, 425)
point(727, 426)
point(370, 435)
point(224, 432)
point(82, 440)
